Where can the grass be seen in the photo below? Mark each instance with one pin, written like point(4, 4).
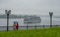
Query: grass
point(49, 32)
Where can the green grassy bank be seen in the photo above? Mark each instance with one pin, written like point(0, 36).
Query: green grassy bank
point(49, 32)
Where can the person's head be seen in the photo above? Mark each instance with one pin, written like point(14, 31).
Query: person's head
point(17, 23)
point(14, 22)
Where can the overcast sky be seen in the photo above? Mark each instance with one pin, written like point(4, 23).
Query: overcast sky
point(38, 7)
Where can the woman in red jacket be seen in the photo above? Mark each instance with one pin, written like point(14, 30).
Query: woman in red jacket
point(17, 26)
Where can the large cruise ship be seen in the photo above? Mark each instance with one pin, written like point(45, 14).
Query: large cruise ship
point(21, 19)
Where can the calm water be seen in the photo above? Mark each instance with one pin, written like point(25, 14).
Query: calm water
point(44, 21)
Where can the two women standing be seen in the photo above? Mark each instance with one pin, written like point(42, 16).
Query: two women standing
point(15, 26)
